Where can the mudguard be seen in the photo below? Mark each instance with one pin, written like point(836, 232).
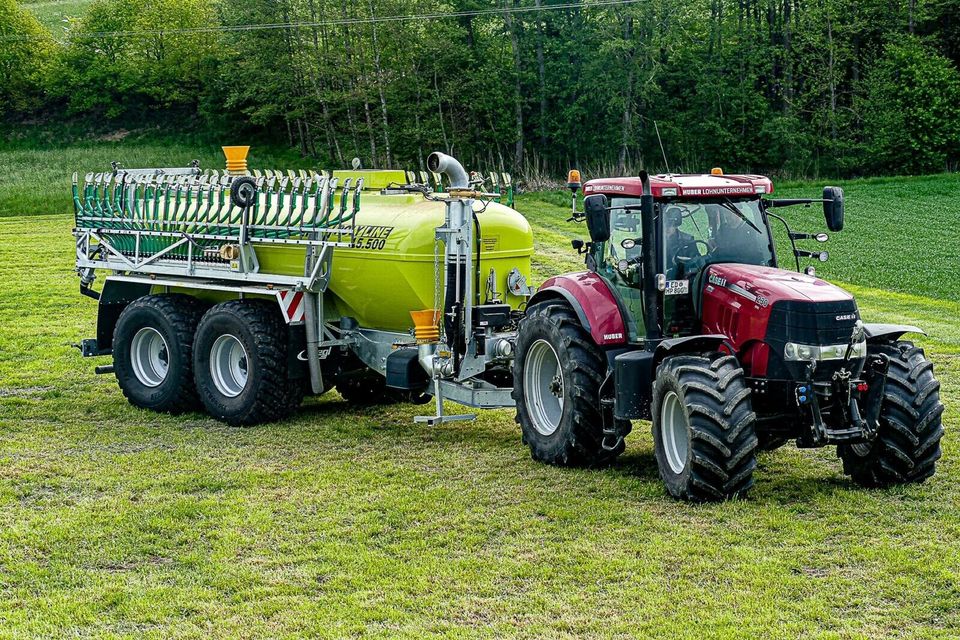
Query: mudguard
point(593, 302)
point(878, 332)
point(690, 344)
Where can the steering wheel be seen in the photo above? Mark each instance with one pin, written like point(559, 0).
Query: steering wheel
point(685, 259)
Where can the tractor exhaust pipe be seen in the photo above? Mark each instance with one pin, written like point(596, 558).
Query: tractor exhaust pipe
point(449, 166)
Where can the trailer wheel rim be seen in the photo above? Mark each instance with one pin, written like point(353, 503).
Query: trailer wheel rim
point(543, 387)
point(149, 357)
point(674, 432)
point(228, 365)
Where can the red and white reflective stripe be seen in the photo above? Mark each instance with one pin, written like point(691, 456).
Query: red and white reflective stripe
point(291, 303)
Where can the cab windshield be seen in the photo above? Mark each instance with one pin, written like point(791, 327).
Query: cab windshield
point(701, 233)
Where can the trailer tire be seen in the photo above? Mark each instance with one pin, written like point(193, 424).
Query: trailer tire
point(152, 352)
point(907, 445)
point(704, 428)
point(554, 353)
point(240, 361)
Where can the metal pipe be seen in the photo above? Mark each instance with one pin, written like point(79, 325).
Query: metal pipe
point(310, 300)
point(448, 165)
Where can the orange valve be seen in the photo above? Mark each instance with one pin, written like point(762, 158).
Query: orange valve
point(426, 326)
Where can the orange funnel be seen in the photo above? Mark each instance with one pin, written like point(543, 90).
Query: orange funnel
point(236, 160)
point(425, 326)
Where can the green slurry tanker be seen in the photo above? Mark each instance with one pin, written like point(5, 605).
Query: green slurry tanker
point(241, 293)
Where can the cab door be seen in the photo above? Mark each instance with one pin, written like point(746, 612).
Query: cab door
point(620, 266)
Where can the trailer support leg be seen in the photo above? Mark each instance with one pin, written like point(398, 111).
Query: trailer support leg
point(312, 322)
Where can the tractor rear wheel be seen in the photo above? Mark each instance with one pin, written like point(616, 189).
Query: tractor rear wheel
point(703, 428)
point(240, 362)
point(152, 352)
point(557, 375)
point(907, 445)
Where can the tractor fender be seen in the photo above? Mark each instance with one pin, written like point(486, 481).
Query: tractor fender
point(592, 300)
point(690, 344)
point(878, 332)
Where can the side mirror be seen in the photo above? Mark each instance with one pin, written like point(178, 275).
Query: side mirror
point(833, 208)
point(598, 218)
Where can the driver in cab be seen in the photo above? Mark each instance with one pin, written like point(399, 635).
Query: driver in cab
point(677, 244)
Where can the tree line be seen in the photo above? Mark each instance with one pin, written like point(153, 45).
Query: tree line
point(787, 87)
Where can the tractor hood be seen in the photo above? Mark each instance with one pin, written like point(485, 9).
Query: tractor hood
point(766, 285)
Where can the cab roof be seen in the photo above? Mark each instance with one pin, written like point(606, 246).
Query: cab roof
point(687, 185)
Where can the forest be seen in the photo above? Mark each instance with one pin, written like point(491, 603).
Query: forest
point(793, 88)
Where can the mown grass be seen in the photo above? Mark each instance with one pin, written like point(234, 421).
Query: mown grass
point(116, 522)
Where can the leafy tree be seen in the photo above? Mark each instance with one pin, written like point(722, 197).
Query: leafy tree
point(911, 110)
point(120, 61)
point(27, 52)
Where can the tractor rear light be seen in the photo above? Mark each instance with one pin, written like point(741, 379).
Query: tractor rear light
point(661, 282)
point(862, 387)
point(806, 352)
point(759, 189)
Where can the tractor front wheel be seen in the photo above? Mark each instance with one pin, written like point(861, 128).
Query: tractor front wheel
point(907, 445)
point(557, 374)
point(703, 428)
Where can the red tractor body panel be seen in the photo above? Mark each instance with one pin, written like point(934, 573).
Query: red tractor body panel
point(737, 300)
point(597, 305)
point(684, 185)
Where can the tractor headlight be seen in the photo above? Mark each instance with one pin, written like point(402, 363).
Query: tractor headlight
point(806, 352)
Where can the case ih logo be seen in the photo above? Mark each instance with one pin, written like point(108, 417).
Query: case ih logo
point(846, 316)
point(717, 280)
point(717, 191)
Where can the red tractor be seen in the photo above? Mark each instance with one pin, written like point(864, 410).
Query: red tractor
point(684, 317)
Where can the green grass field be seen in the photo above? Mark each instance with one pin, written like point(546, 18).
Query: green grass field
point(53, 14)
point(339, 523)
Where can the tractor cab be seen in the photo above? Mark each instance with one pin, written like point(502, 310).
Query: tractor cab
point(697, 220)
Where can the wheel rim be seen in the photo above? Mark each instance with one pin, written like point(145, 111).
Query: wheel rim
point(149, 357)
point(543, 387)
point(228, 365)
point(673, 432)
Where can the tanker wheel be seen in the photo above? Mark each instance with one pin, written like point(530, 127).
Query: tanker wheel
point(152, 352)
point(240, 363)
point(907, 445)
point(557, 374)
point(703, 428)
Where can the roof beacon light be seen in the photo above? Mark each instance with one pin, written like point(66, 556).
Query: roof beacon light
point(573, 180)
point(716, 171)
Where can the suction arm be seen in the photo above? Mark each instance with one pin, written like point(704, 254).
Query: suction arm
point(448, 165)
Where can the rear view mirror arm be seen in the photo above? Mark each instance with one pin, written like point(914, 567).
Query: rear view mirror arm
point(790, 234)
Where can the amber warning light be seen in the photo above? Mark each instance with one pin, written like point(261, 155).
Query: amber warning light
point(573, 180)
